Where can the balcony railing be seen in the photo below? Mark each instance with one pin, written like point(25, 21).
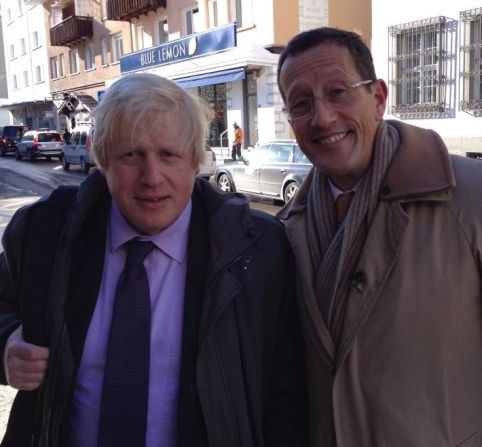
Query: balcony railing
point(71, 31)
point(128, 9)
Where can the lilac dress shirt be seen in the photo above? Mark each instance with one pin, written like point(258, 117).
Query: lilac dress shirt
point(166, 271)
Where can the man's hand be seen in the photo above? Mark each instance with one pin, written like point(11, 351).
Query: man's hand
point(25, 364)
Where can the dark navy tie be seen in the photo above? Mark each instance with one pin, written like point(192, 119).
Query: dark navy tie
point(125, 392)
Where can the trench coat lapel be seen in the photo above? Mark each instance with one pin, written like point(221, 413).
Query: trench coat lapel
point(378, 258)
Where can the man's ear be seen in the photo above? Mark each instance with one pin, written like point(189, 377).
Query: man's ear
point(381, 94)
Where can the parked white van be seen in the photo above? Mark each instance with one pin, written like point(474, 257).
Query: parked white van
point(78, 151)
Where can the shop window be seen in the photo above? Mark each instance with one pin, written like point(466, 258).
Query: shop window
point(422, 69)
point(251, 133)
point(471, 61)
point(215, 96)
point(90, 57)
point(163, 31)
point(117, 47)
point(74, 61)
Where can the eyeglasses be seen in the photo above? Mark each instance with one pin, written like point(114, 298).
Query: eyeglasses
point(334, 95)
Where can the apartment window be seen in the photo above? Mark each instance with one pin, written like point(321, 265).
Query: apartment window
point(54, 67)
point(104, 45)
point(9, 15)
point(104, 9)
point(19, 7)
point(74, 61)
point(35, 39)
point(214, 13)
point(162, 31)
point(117, 47)
point(12, 51)
point(422, 69)
point(89, 57)
point(61, 65)
point(14, 82)
point(25, 78)
point(471, 61)
point(239, 13)
point(39, 74)
point(192, 21)
point(244, 13)
point(23, 49)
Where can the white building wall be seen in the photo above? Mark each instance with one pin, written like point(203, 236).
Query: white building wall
point(23, 26)
point(462, 133)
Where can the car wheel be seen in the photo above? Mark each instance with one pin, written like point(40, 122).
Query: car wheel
point(84, 167)
point(18, 155)
point(290, 191)
point(65, 164)
point(224, 183)
point(29, 155)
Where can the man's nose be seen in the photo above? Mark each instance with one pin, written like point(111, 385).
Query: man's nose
point(152, 173)
point(323, 113)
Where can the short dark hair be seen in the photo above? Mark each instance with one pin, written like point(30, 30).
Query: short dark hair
point(351, 41)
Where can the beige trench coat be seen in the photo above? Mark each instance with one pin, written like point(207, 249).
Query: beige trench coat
point(408, 372)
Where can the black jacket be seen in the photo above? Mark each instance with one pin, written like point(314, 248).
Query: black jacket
point(248, 373)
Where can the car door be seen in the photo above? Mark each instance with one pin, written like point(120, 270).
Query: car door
point(70, 150)
point(246, 173)
point(275, 168)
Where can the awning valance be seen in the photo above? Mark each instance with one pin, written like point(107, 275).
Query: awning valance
point(218, 77)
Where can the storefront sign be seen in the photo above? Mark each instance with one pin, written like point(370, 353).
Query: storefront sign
point(189, 47)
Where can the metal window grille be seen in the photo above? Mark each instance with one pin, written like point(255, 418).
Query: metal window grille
point(422, 64)
point(471, 62)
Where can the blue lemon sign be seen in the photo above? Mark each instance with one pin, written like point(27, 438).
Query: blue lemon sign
point(192, 46)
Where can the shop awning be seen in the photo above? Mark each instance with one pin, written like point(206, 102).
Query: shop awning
point(217, 77)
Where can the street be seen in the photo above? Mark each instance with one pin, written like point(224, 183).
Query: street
point(22, 183)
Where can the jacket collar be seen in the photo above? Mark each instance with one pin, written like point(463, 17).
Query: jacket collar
point(421, 168)
point(230, 225)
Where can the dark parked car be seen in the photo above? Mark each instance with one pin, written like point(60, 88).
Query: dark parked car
point(274, 169)
point(40, 143)
point(9, 137)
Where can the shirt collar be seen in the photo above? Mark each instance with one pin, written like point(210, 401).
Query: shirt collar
point(172, 240)
point(336, 192)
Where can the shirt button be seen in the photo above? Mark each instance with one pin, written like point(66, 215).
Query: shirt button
point(385, 190)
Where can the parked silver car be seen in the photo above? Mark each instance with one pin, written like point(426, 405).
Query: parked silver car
point(40, 143)
point(208, 165)
point(275, 169)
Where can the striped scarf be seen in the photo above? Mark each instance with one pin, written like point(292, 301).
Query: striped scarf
point(335, 251)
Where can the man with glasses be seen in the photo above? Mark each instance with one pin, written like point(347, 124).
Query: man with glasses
point(387, 233)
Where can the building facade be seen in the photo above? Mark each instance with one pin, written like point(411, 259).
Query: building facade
point(25, 49)
point(430, 54)
point(225, 51)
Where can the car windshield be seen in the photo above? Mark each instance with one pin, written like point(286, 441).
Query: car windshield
point(13, 132)
point(46, 137)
